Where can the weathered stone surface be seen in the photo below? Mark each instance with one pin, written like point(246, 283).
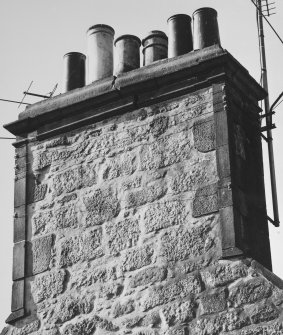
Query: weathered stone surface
point(61, 140)
point(147, 276)
point(122, 235)
point(49, 285)
point(205, 201)
point(175, 289)
point(66, 217)
point(213, 302)
point(131, 322)
point(239, 139)
point(68, 307)
point(250, 291)
point(158, 126)
point(204, 136)
point(67, 198)
point(193, 112)
point(271, 329)
point(182, 243)
point(137, 272)
point(92, 275)
point(42, 160)
point(73, 179)
point(263, 313)
point(165, 152)
point(104, 324)
point(101, 206)
point(162, 215)
point(154, 129)
point(224, 273)
point(53, 331)
point(177, 331)
point(137, 258)
point(29, 328)
point(59, 155)
point(39, 252)
point(149, 194)
point(178, 312)
point(123, 165)
point(42, 222)
point(228, 321)
point(151, 319)
point(277, 296)
point(84, 327)
point(202, 173)
point(120, 309)
point(82, 247)
point(145, 331)
point(132, 183)
point(189, 266)
point(39, 192)
point(110, 290)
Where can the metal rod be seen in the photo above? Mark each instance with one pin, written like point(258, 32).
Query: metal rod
point(7, 138)
point(37, 95)
point(16, 102)
point(275, 102)
point(25, 94)
point(269, 117)
point(53, 91)
point(267, 114)
point(266, 128)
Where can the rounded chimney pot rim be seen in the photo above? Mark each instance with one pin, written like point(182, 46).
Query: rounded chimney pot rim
point(154, 33)
point(179, 15)
point(128, 36)
point(75, 53)
point(100, 27)
point(204, 9)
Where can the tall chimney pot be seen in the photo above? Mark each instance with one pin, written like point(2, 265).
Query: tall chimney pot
point(180, 39)
point(74, 71)
point(100, 51)
point(155, 47)
point(205, 27)
point(127, 53)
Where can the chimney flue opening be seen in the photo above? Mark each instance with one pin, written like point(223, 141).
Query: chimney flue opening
point(155, 47)
point(127, 53)
point(205, 28)
point(180, 39)
point(74, 71)
point(100, 52)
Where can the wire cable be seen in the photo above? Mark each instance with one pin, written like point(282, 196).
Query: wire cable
point(278, 104)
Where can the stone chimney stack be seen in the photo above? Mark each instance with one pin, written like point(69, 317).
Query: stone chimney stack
point(139, 198)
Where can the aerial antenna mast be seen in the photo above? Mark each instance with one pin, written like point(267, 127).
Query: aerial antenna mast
point(264, 7)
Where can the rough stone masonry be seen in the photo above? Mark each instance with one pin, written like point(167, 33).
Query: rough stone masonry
point(124, 233)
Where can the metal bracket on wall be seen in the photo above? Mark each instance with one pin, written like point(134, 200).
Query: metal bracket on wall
point(266, 128)
point(269, 126)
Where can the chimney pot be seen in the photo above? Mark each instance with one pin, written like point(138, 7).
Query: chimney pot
point(74, 71)
point(180, 39)
point(155, 47)
point(205, 28)
point(100, 52)
point(127, 53)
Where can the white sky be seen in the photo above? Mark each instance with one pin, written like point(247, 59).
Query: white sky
point(35, 34)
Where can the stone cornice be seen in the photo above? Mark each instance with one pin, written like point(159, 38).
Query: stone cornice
point(160, 80)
